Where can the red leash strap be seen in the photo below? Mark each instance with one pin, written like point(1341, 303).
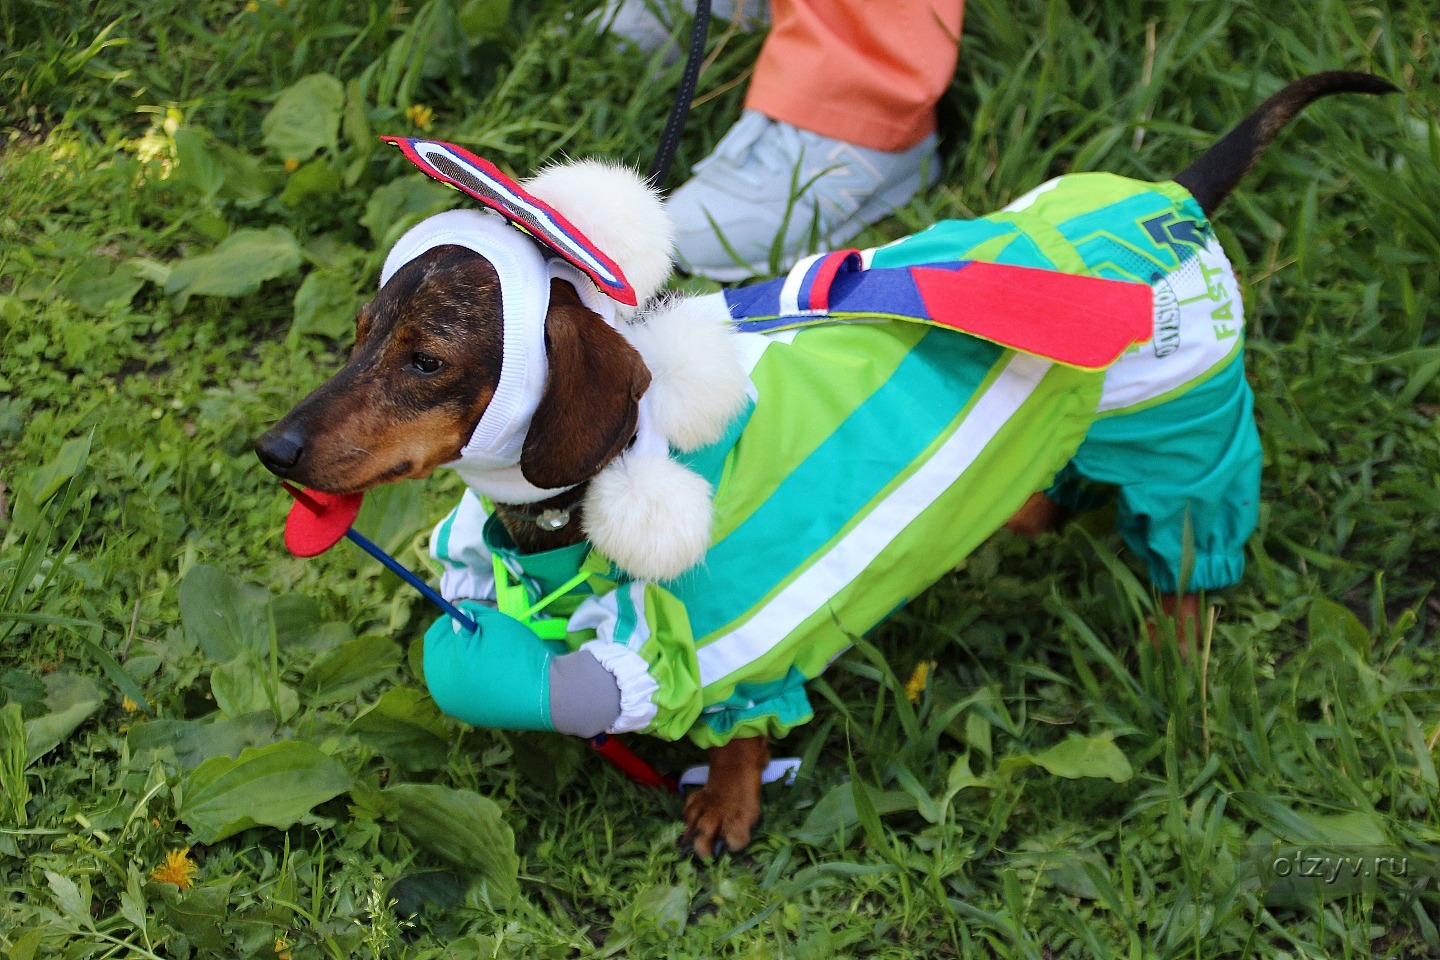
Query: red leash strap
point(630, 763)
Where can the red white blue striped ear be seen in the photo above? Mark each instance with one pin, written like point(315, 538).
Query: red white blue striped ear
point(483, 181)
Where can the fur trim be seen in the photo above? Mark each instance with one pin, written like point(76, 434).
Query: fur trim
point(697, 383)
point(621, 214)
point(649, 515)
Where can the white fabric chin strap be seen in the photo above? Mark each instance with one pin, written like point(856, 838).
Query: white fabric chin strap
point(490, 461)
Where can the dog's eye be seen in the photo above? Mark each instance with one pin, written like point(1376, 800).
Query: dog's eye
point(424, 363)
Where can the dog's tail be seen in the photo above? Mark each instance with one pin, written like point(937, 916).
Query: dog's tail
point(1211, 178)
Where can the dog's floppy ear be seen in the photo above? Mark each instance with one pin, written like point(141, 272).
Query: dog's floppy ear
point(588, 411)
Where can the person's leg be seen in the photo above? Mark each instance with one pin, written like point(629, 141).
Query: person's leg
point(838, 132)
point(863, 72)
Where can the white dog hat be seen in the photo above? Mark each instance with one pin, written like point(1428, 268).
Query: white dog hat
point(646, 512)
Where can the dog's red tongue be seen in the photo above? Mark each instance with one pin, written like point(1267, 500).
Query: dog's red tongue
point(318, 520)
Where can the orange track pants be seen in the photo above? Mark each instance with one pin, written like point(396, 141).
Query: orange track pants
point(868, 72)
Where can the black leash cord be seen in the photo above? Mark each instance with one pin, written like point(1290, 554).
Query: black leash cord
point(680, 109)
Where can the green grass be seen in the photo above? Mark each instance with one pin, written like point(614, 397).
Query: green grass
point(135, 369)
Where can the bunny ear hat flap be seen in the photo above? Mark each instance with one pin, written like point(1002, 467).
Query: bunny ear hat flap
point(603, 229)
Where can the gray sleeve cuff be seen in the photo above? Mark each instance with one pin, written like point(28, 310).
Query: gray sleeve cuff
point(584, 696)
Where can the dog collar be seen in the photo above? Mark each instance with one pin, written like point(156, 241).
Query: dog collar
point(556, 518)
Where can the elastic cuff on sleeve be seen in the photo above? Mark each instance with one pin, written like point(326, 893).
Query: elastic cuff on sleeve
point(465, 583)
point(1212, 571)
point(632, 675)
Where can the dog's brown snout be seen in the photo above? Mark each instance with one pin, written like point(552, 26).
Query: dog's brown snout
point(281, 450)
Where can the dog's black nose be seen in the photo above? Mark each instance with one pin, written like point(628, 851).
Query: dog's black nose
point(280, 450)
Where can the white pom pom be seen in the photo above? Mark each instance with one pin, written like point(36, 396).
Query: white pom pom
point(697, 384)
point(620, 213)
point(649, 515)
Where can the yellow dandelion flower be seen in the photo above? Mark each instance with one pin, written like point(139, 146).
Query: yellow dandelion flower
point(282, 949)
point(420, 115)
point(252, 6)
point(291, 165)
point(176, 869)
point(129, 706)
point(918, 680)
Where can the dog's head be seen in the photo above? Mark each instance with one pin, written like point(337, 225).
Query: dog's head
point(481, 343)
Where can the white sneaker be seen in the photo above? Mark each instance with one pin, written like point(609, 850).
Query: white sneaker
point(771, 193)
point(651, 24)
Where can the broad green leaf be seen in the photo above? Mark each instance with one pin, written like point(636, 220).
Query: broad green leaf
point(195, 741)
point(70, 699)
point(400, 204)
point(484, 19)
point(1086, 757)
point(197, 165)
point(300, 624)
point(925, 804)
point(1307, 858)
point(835, 814)
point(977, 732)
point(961, 777)
point(247, 181)
point(237, 267)
point(100, 286)
point(407, 728)
point(325, 305)
point(342, 672)
point(17, 686)
point(305, 118)
point(437, 889)
point(1074, 873)
point(316, 179)
point(294, 616)
point(356, 124)
point(1330, 623)
point(1351, 829)
point(201, 913)
point(224, 616)
point(26, 944)
point(662, 909)
point(274, 786)
point(392, 514)
point(45, 482)
point(461, 827)
point(60, 468)
point(241, 686)
point(320, 638)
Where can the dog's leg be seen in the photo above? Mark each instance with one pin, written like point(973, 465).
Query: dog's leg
point(1039, 515)
point(720, 815)
point(1184, 610)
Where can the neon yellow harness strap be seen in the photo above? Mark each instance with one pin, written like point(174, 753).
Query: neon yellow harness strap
point(513, 599)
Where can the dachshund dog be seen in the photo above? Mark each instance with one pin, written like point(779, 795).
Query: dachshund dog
point(748, 495)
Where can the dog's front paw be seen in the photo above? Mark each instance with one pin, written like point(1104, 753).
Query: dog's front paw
point(718, 820)
point(721, 815)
